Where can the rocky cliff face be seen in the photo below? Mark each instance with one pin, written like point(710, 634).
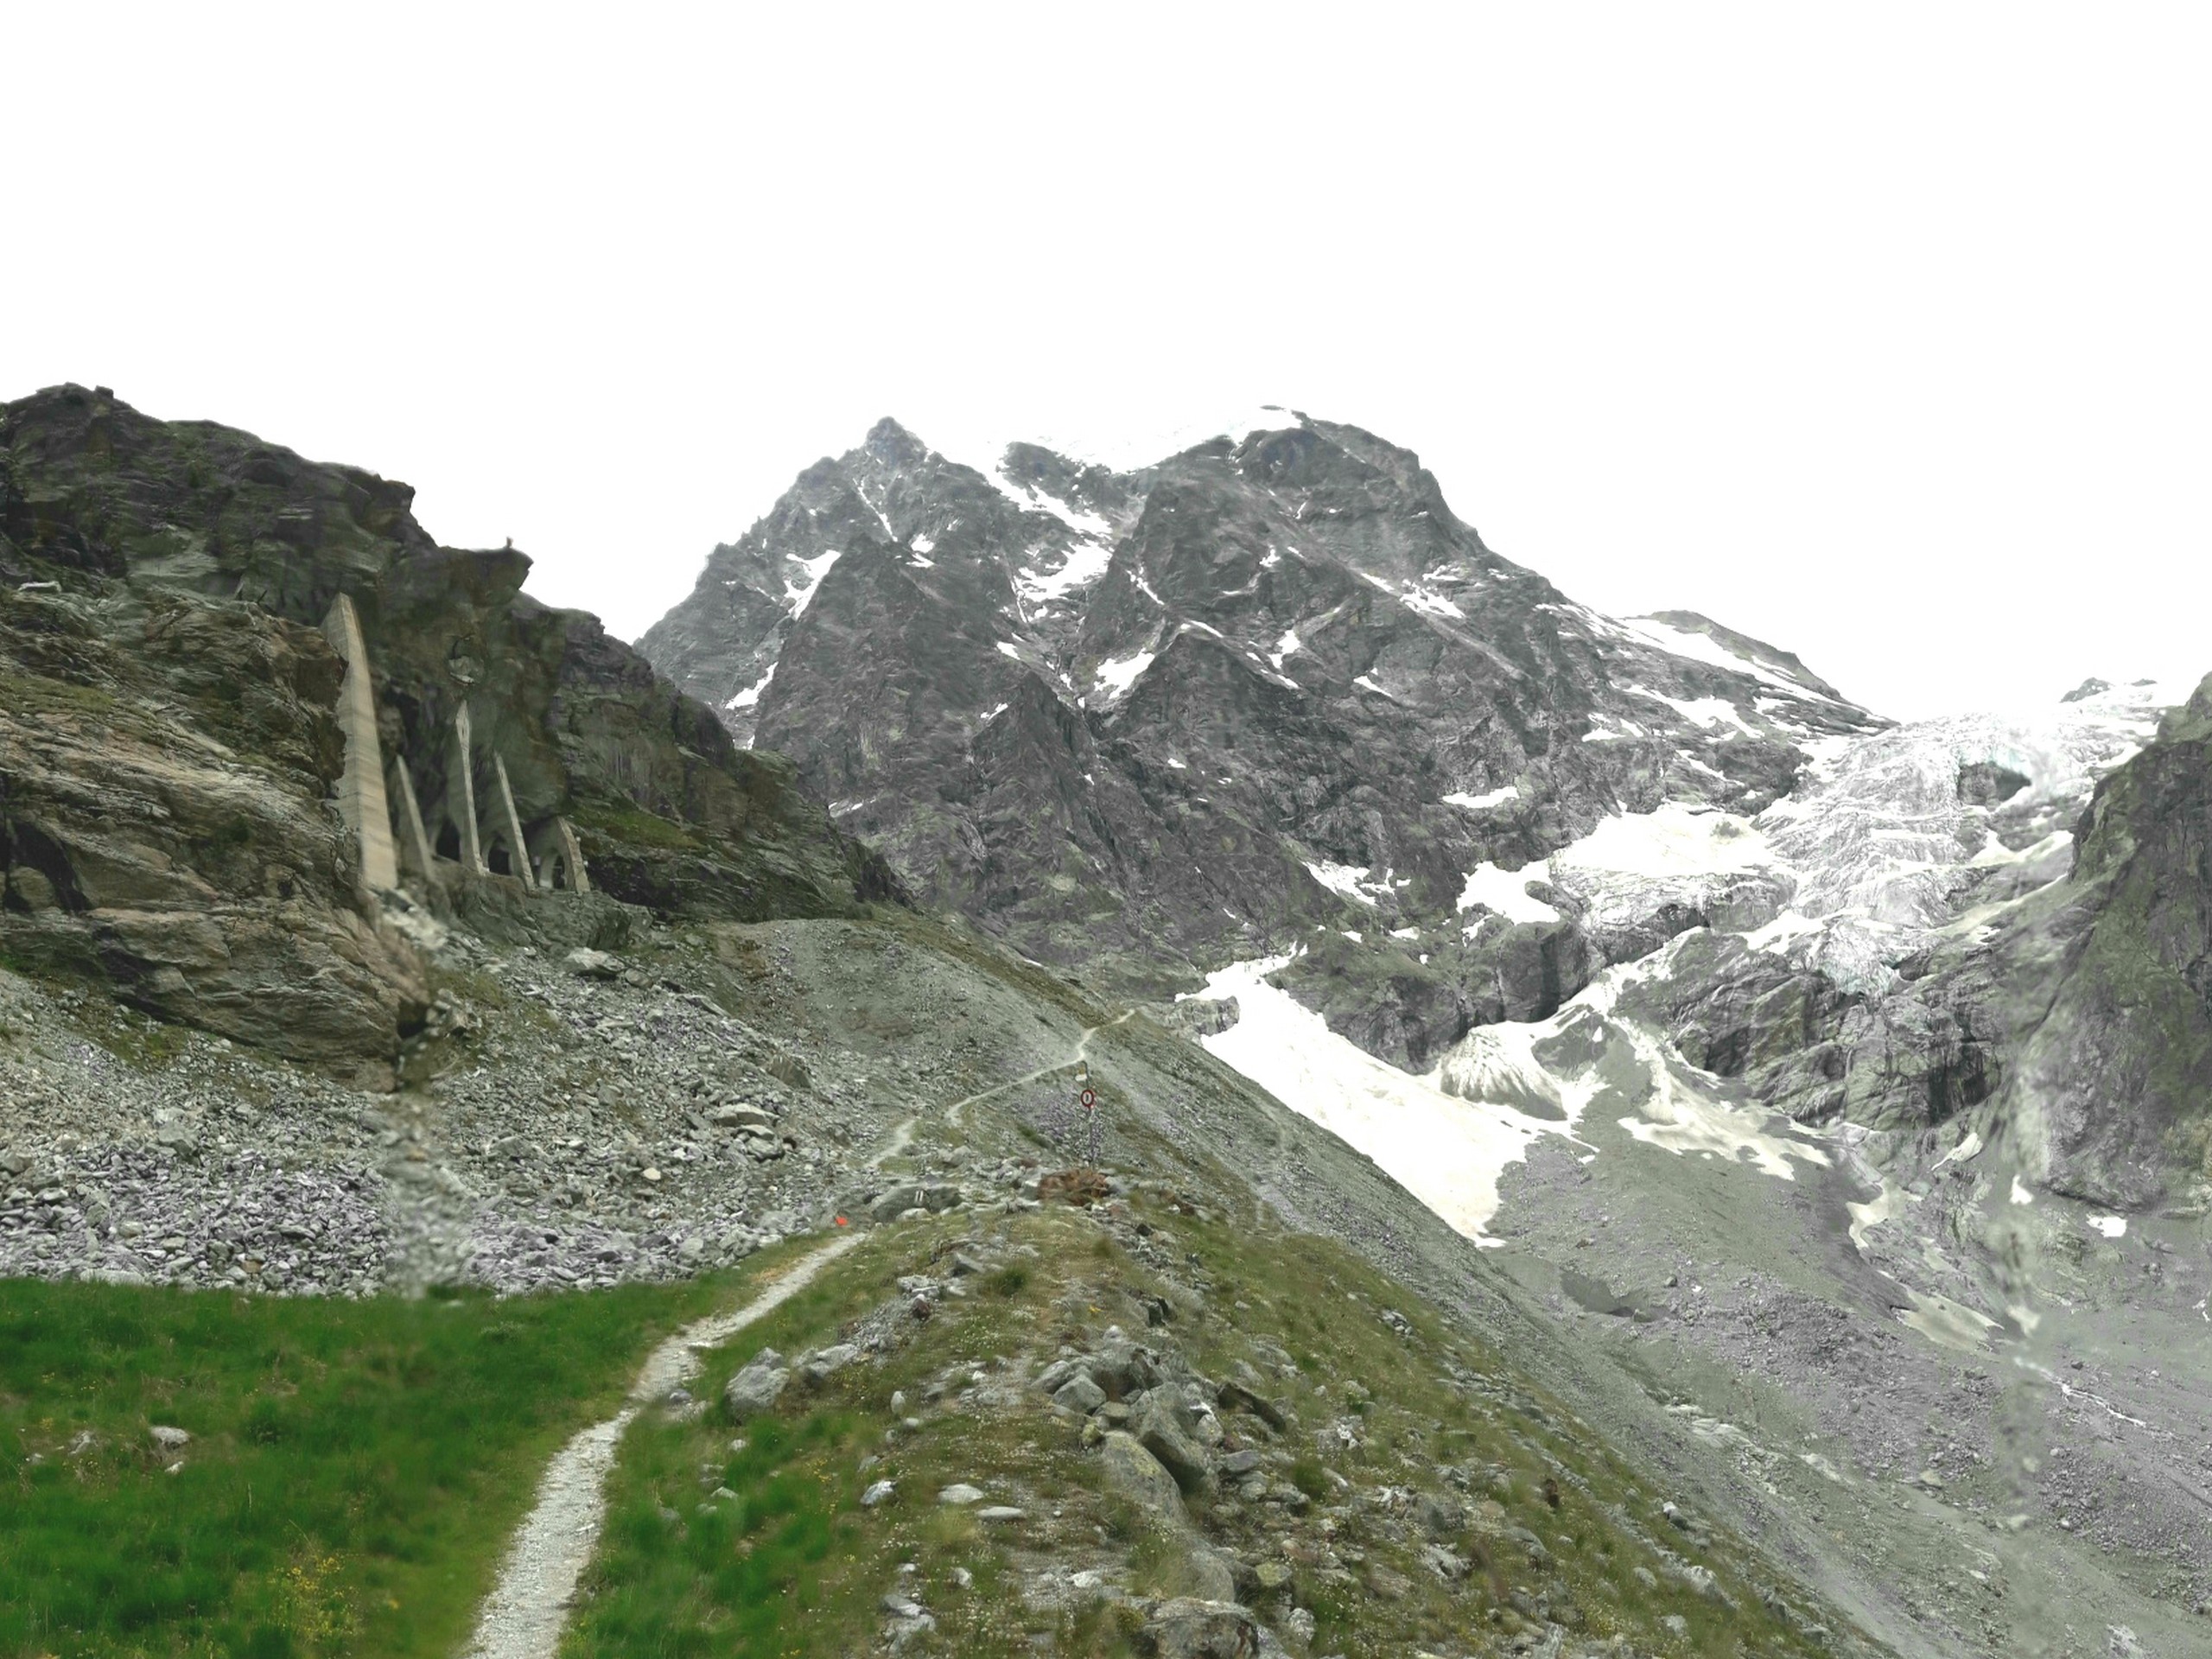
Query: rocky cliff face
point(2113, 1092)
point(1270, 698)
point(167, 744)
point(1267, 690)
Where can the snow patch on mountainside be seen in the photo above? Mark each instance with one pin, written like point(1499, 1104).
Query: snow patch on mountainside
point(1675, 839)
point(1703, 648)
point(1497, 797)
point(1448, 1152)
point(1341, 878)
point(1703, 711)
point(1448, 1134)
point(1679, 1117)
point(1085, 563)
point(1506, 892)
point(751, 695)
point(799, 594)
point(1115, 678)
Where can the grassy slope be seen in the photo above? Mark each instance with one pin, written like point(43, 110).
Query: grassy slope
point(355, 1468)
point(794, 1565)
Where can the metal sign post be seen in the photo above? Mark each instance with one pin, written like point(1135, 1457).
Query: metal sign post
point(1087, 1097)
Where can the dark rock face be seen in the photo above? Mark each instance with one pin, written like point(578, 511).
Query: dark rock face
point(2117, 1080)
point(168, 747)
point(1265, 690)
point(1271, 697)
point(163, 768)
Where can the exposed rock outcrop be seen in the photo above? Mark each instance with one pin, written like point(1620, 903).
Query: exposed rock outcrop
point(177, 813)
point(1162, 720)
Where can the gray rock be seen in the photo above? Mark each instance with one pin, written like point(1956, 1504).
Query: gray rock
point(1188, 1627)
point(1132, 1471)
point(960, 1493)
point(1441, 1561)
point(824, 1363)
point(1122, 1368)
point(1440, 1516)
point(1235, 1397)
point(914, 1195)
point(758, 1386)
point(593, 964)
point(169, 1438)
point(1079, 1394)
point(1159, 1427)
point(881, 1492)
point(1058, 1372)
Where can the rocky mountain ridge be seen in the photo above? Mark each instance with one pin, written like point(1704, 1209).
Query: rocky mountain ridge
point(1152, 722)
point(169, 737)
point(1894, 1031)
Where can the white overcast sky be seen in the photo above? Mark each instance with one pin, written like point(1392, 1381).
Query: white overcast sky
point(1877, 331)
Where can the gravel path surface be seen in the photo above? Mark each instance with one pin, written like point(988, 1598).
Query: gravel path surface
point(1081, 1049)
point(527, 1610)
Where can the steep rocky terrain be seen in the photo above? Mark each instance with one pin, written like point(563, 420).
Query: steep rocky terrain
point(168, 737)
point(1158, 722)
point(1787, 1055)
point(1903, 1188)
point(1580, 1049)
point(231, 1058)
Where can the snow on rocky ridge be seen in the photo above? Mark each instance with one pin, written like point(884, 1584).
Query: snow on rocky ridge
point(1867, 858)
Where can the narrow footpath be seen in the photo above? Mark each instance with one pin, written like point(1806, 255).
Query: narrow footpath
point(528, 1608)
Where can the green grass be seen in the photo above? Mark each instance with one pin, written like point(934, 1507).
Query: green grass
point(795, 1564)
point(355, 1468)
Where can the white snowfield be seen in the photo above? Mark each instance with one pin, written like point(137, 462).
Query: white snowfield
point(1507, 892)
point(1085, 563)
point(1629, 866)
point(1448, 1152)
point(1340, 877)
point(1868, 860)
point(1703, 648)
point(1447, 1136)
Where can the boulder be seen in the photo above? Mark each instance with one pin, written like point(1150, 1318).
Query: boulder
point(1122, 1368)
point(1079, 1394)
point(1188, 1627)
point(1235, 1397)
point(824, 1363)
point(757, 1388)
point(1159, 1429)
point(1440, 1516)
point(789, 1068)
point(914, 1195)
point(1135, 1473)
